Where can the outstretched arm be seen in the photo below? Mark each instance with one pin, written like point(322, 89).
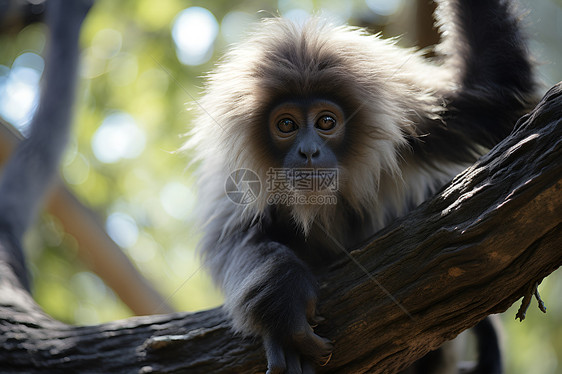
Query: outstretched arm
point(485, 52)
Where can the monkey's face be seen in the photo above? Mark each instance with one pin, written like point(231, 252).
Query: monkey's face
point(314, 111)
point(306, 133)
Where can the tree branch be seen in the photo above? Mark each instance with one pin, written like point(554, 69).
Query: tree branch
point(29, 173)
point(478, 246)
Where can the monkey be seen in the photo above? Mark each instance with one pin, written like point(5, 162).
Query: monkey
point(345, 131)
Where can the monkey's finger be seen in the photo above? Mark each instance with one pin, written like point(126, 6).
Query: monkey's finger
point(312, 315)
point(293, 360)
point(310, 309)
point(276, 363)
point(316, 320)
point(314, 346)
point(308, 367)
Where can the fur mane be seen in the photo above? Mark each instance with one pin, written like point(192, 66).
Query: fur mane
point(383, 89)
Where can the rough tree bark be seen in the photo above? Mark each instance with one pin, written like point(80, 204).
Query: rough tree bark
point(486, 240)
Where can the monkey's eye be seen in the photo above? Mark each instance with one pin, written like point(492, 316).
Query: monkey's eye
point(286, 125)
point(326, 123)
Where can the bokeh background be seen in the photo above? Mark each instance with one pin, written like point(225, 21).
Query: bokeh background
point(141, 68)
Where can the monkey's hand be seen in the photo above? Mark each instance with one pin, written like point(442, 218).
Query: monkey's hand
point(274, 296)
point(298, 349)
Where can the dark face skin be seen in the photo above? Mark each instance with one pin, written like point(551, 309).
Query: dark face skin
point(306, 133)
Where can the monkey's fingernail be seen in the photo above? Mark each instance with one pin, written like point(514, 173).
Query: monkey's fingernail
point(316, 320)
point(327, 360)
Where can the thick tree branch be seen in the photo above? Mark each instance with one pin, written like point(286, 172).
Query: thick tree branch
point(477, 247)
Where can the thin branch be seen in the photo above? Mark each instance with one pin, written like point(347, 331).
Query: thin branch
point(36, 158)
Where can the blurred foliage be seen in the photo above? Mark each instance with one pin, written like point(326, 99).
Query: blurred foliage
point(130, 66)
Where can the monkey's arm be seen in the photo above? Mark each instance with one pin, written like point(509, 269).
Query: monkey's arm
point(269, 292)
point(486, 44)
point(485, 52)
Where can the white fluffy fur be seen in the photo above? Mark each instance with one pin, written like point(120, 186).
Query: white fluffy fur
point(392, 89)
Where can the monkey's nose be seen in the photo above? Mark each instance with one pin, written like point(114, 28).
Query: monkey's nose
point(309, 152)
